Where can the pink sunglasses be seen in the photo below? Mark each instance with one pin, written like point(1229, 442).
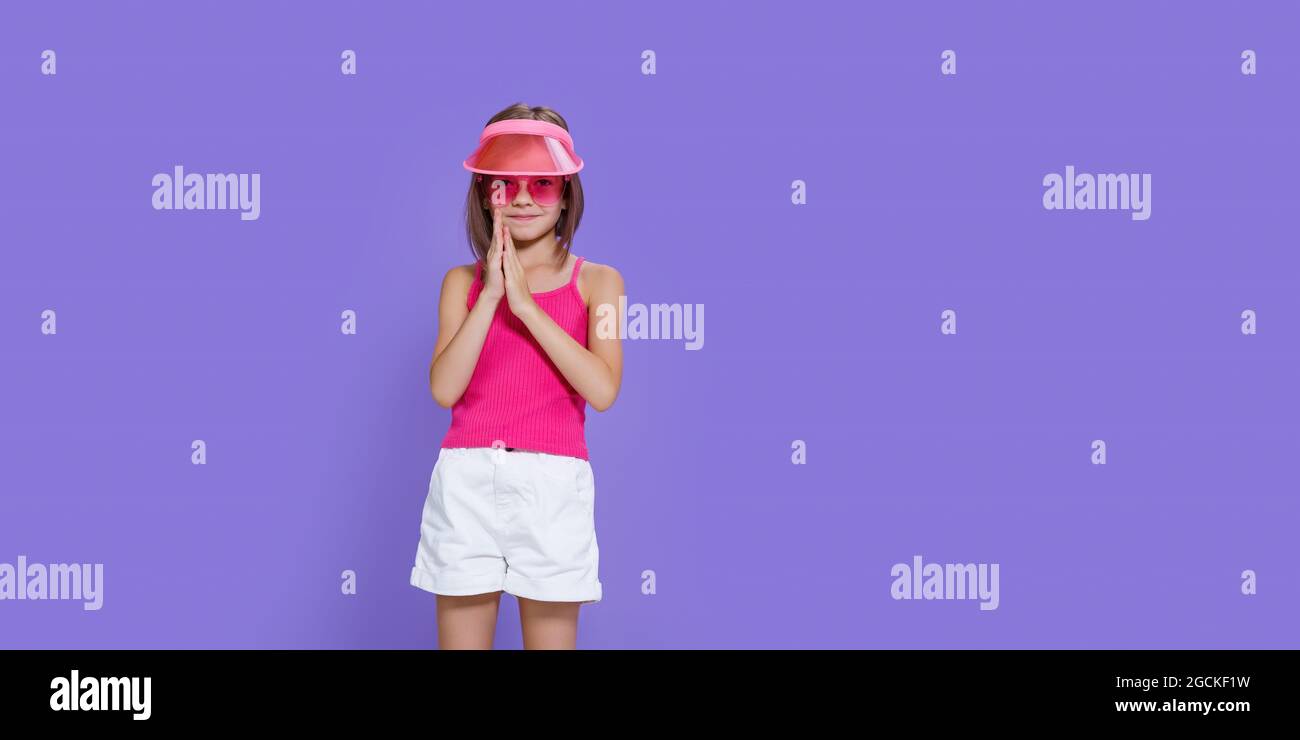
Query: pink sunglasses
point(545, 190)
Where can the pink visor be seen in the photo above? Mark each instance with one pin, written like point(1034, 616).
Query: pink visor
point(522, 146)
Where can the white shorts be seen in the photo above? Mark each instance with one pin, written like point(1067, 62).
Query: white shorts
point(517, 521)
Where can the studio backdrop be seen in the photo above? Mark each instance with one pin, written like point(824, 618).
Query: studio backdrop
point(915, 356)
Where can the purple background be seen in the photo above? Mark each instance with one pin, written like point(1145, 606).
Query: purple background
point(822, 320)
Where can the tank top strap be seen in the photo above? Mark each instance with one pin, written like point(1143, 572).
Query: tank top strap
point(577, 267)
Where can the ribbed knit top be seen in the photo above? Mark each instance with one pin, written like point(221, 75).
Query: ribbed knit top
point(517, 397)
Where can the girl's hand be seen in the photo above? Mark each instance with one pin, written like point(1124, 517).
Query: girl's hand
point(494, 285)
point(517, 294)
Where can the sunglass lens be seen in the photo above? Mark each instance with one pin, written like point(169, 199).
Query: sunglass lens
point(546, 190)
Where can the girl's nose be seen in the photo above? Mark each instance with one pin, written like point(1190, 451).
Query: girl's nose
point(522, 196)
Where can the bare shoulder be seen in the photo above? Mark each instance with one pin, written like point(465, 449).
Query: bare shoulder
point(596, 278)
point(458, 279)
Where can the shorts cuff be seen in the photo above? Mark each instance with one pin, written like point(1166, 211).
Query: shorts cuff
point(455, 585)
point(586, 593)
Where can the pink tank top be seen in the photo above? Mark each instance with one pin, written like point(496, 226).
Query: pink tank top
point(517, 397)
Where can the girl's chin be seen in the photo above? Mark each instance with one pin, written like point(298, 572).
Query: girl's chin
point(527, 231)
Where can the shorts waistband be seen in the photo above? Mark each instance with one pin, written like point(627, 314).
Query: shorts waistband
point(500, 452)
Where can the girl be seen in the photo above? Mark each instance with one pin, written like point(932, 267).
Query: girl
point(511, 503)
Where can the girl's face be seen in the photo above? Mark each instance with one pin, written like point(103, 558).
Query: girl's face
point(527, 218)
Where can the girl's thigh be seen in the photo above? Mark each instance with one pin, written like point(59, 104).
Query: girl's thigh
point(468, 622)
point(549, 625)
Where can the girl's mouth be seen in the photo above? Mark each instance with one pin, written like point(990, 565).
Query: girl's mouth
point(523, 218)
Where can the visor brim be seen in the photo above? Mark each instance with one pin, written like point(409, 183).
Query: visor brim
point(523, 154)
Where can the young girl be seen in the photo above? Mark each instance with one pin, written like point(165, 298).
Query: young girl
point(511, 503)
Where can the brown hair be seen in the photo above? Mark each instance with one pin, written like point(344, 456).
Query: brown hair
point(478, 220)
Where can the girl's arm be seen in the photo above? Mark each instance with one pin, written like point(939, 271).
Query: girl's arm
point(461, 331)
point(595, 372)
